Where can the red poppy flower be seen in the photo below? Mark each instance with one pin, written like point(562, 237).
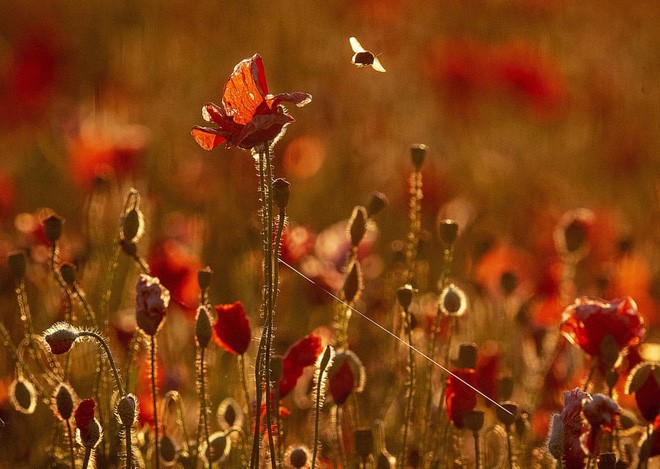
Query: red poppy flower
point(231, 330)
point(300, 355)
point(586, 323)
point(460, 398)
point(84, 415)
point(346, 376)
point(488, 368)
point(249, 116)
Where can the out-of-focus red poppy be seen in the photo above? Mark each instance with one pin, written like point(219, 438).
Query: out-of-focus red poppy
point(177, 270)
point(84, 415)
point(346, 375)
point(231, 330)
point(499, 260)
point(632, 276)
point(587, 322)
point(303, 157)
point(99, 147)
point(460, 398)
point(297, 242)
point(301, 354)
point(488, 367)
point(7, 196)
point(574, 427)
point(249, 116)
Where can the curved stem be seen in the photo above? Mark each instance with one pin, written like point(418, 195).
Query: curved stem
point(203, 410)
point(590, 376)
point(71, 448)
point(108, 353)
point(246, 395)
point(410, 391)
point(152, 360)
point(317, 413)
point(476, 449)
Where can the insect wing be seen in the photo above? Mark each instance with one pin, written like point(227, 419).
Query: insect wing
point(355, 45)
point(376, 65)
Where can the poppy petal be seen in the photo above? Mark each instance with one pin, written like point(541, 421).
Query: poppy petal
point(245, 90)
point(207, 138)
point(232, 328)
point(297, 98)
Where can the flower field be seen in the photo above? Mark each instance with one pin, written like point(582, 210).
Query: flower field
point(434, 245)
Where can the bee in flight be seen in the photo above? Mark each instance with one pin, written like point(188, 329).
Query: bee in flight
point(364, 58)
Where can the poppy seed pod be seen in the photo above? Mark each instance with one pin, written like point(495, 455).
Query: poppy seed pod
point(68, 273)
point(474, 420)
point(297, 457)
point(508, 416)
point(132, 227)
point(404, 296)
point(53, 227)
point(353, 283)
point(357, 225)
point(126, 410)
point(17, 262)
point(364, 442)
point(60, 337)
point(281, 192)
point(167, 450)
point(377, 203)
point(417, 154)
point(203, 328)
point(467, 356)
point(23, 396)
point(204, 278)
point(64, 401)
point(448, 232)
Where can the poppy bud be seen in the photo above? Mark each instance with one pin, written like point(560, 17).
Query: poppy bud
point(23, 396)
point(151, 302)
point(203, 328)
point(68, 272)
point(53, 227)
point(644, 383)
point(297, 457)
point(60, 337)
point(167, 450)
point(218, 449)
point(353, 283)
point(556, 439)
point(453, 301)
point(417, 154)
point(467, 356)
point(474, 420)
point(204, 278)
point(508, 283)
point(126, 410)
point(64, 401)
point(611, 377)
point(448, 232)
point(364, 442)
point(281, 192)
point(326, 357)
point(576, 235)
point(376, 204)
point(93, 435)
point(132, 227)
point(505, 388)
point(357, 225)
point(404, 296)
point(607, 461)
point(17, 262)
point(129, 247)
point(507, 418)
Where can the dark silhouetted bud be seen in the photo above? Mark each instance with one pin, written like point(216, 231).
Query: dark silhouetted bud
point(353, 283)
point(132, 227)
point(23, 396)
point(453, 301)
point(219, 447)
point(126, 410)
point(467, 356)
point(167, 450)
point(129, 248)
point(60, 337)
point(357, 225)
point(203, 328)
point(505, 388)
point(447, 231)
point(204, 278)
point(364, 442)
point(281, 192)
point(64, 401)
point(376, 204)
point(473, 420)
point(53, 227)
point(417, 154)
point(508, 416)
point(328, 353)
point(298, 457)
point(404, 296)
point(17, 262)
point(68, 272)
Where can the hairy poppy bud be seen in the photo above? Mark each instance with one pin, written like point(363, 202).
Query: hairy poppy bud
point(281, 192)
point(53, 228)
point(417, 154)
point(473, 420)
point(60, 337)
point(297, 457)
point(376, 204)
point(17, 262)
point(132, 228)
point(448, 232)
point(64, 401)
point(353, 283)
point(93, 435)
point(364, 442)
point(151, 302)
point(167, 450)
point(126, 410)
point(357, 225)
point(68, 272)
point(556, 439)
point(203, 328)
point(23, 396)
point(404, 296)
point(453, 301)
point(204, 278)
point(229, 414)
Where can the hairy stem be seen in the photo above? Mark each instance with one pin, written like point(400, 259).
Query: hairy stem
point(71, 447)
point(203, 410)
point(108, 353)
point(152, 362)
point(410, 391)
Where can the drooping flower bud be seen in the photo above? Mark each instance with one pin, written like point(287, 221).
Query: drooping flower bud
point(353, 283)
point(281, 192)
point(448, 232)
point(17, 262)
point(357, 225)
point(404, 296)
point(151, 302)
point(453, 301)
point(53, 227)
point(417, 154)
point(60, 337)
point(377, 203)
point(132, 227)
point(64, 401)
point(126, 411)
point(203, 328)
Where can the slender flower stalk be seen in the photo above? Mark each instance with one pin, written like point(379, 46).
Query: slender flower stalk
point(152, 363)
point(404, 296)
point(321, 375)
point(243, 378)
point(69, 432)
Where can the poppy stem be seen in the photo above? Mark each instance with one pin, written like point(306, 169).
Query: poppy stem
point(410, 392)
point(590, 376)
point(73, 452)
point(152, 362)
point(108, 353)
point(246, 395)
point(338, 436)
point(86, 458)
point(476, 449)
point(202, 396)
point(509, 450)
point(129, 447)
